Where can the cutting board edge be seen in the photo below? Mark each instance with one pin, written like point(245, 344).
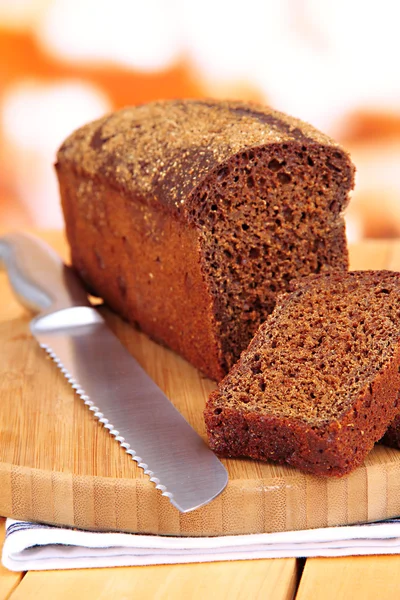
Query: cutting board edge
point(135, 506)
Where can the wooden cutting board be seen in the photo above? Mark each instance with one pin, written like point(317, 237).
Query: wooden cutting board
point(58, 465)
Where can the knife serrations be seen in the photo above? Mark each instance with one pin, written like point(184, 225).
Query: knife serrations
point(131, 406)
point(105, 422)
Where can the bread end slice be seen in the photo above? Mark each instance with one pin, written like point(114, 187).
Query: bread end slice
point(319, 383)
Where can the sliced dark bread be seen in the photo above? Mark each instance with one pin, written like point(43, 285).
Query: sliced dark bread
point(319, 383)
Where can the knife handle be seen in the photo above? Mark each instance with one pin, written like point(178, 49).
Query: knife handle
point(38, 276)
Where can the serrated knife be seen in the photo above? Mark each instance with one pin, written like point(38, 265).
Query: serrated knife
point(108, 379)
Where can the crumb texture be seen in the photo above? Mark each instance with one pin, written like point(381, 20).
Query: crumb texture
point(318, 385)
point(269, 215)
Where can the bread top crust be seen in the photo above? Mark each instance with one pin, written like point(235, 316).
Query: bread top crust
point(162, 150)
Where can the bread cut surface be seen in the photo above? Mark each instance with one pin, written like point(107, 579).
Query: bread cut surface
point(319, 383)
point(188, 217)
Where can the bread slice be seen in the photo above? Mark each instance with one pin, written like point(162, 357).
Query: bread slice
point(189, 216)
point(319, 383)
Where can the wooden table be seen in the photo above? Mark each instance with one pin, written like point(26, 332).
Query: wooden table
point(363, 578)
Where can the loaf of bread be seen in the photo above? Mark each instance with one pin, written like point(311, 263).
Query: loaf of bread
point(188, 217)
point(319, 383)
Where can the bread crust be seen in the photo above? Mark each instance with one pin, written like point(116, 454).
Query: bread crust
point(161, 151)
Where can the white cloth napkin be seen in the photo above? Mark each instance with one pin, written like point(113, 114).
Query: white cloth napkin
point(32, 546)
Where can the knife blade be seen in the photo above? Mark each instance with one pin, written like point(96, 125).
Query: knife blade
point(107, 378)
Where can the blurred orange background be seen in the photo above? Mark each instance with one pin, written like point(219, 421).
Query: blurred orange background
point(65, 62)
